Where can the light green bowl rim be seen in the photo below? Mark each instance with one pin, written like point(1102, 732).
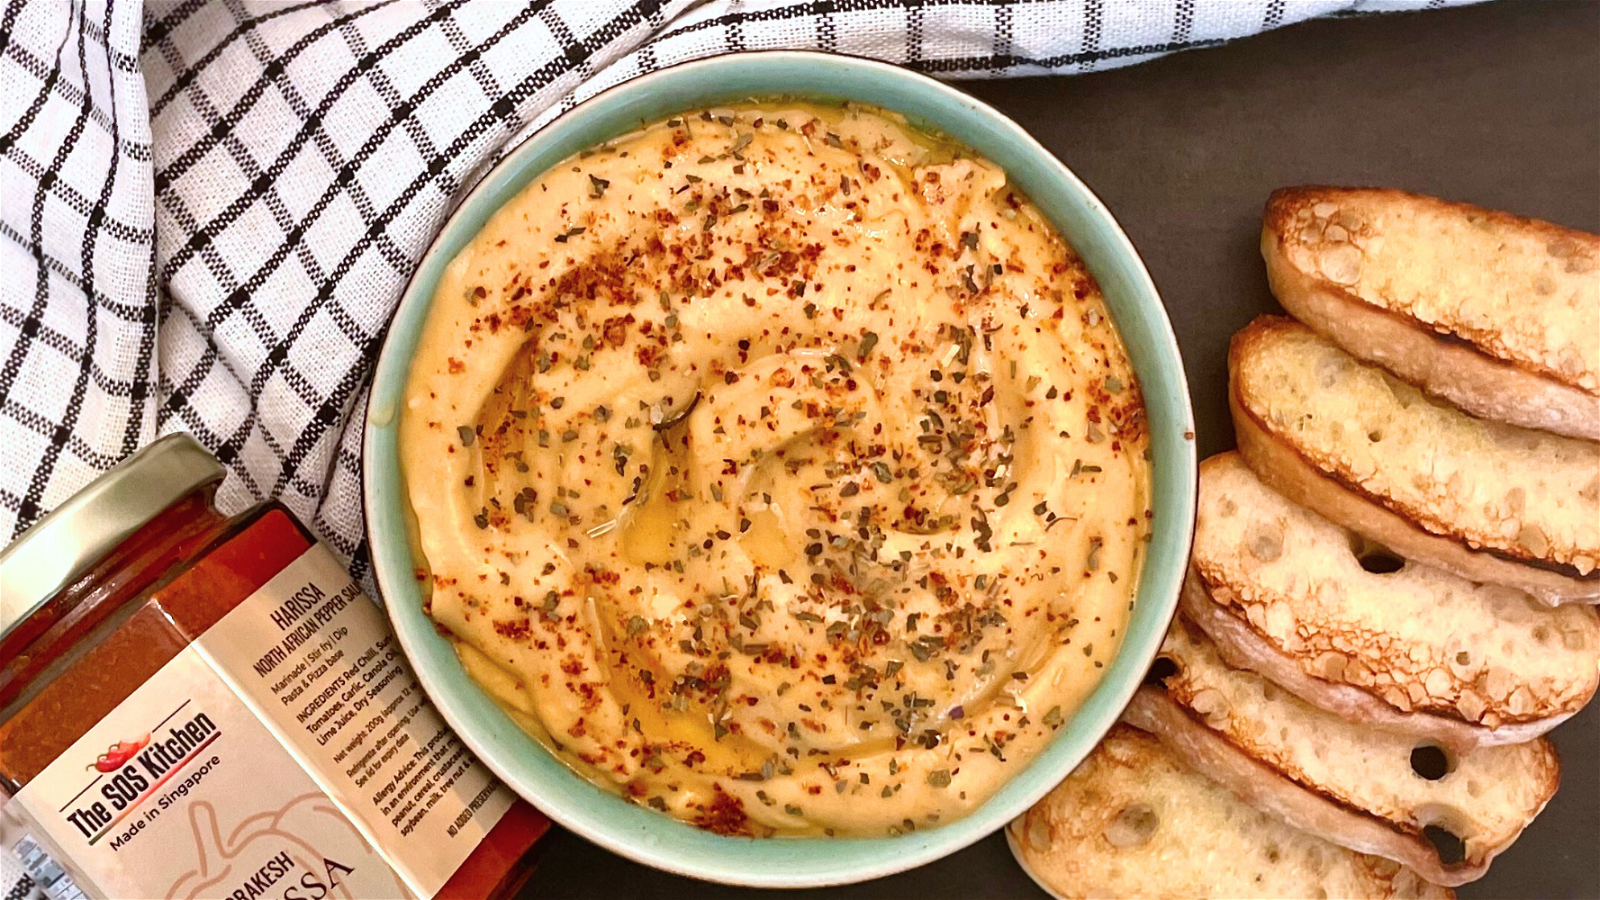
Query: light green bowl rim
point(643, 834)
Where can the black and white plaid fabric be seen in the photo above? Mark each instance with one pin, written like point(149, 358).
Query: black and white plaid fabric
point(210, 207)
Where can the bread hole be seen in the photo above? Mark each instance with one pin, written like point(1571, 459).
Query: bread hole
point(1266, 542)
point(1375, 435)
point(1160, 670)
point(1431, 762)
point(1446, 843)
point(1312, 858)
point(1563, 247)
point(1132, 827)
point(1374, 557)
point(1329, 369)
point(1380, 561)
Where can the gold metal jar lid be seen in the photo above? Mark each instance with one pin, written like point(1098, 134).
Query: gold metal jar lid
point(64, 544)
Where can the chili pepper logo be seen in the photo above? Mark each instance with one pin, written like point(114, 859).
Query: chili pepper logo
point(117, 754)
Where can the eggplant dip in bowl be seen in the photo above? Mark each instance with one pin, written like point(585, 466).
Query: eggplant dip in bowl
point(780, 468)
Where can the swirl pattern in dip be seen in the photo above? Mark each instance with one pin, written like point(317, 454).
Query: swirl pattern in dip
point(780, 468)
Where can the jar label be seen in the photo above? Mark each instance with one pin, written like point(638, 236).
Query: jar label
point(288, 753)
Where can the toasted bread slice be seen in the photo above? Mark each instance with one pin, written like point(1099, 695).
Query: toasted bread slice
point(1484, 500)
point(1242, 647)
point(1484, 797)
point(1134, 821)
point(1498, 314)
point(1374, 638)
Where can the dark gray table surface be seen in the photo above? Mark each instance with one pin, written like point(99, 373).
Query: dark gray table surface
point(1497, 104)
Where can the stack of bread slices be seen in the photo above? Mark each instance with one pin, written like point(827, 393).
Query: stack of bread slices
point(1389, 596)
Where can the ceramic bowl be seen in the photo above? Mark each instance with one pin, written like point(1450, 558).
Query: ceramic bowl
point(643, 834)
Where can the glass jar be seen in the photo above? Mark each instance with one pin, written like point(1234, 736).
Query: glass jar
point(152, 643)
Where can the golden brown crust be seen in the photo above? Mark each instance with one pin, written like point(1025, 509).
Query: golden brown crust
point(1286, 472)
point(1486, 796)
point(1291, 469)
point(1364, 629)
point(1134, 821)
point(1531, 254)
point(1268, 790)
point(1241, 647)
point(1458, 372)
point(1285, 201)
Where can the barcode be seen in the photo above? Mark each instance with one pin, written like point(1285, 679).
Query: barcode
point(46, 872)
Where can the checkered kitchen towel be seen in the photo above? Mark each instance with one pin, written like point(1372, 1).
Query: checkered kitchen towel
point(210, 207)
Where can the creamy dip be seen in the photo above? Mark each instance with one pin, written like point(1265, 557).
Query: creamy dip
point(779, 468)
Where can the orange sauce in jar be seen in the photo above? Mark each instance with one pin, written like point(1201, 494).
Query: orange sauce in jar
point(83, 651)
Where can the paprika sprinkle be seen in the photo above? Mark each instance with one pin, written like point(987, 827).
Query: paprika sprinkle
point(199, 705)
